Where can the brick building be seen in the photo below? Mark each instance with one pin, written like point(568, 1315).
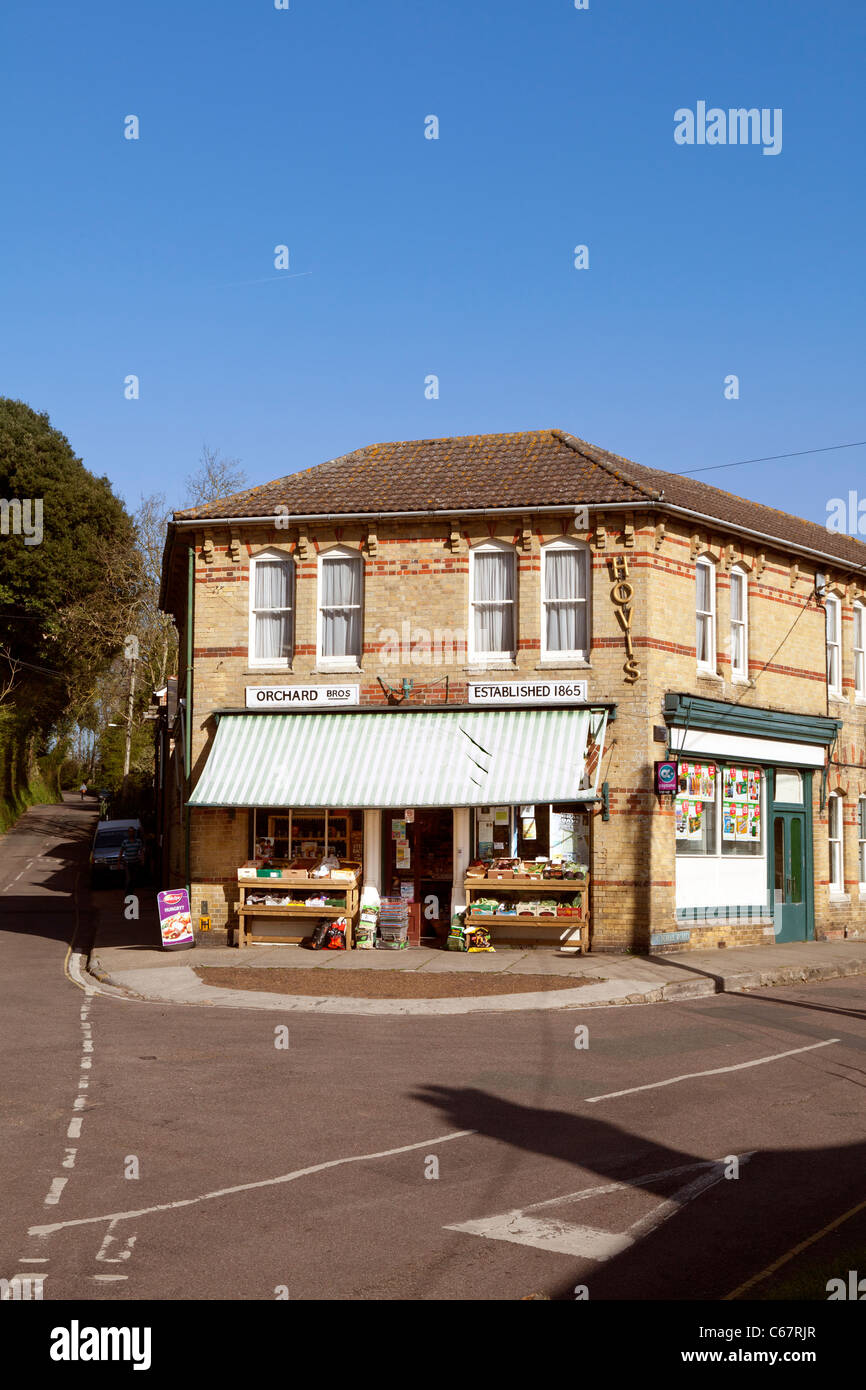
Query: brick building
point(595, 616)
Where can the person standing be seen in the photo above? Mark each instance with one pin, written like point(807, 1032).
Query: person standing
point(83, 790)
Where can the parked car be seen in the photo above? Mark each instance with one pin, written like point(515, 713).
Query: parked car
point(116, 855)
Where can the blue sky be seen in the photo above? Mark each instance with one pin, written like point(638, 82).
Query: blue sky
point(454, 257)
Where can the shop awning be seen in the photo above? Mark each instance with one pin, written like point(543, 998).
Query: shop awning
point(397, 758)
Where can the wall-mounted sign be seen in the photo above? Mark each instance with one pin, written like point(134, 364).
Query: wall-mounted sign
point(622, 594)
point(301, 696)
point(666, 779)
point(528, 693)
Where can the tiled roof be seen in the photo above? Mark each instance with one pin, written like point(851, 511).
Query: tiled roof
point(534, 468)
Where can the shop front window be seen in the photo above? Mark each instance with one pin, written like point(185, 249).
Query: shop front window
point(539, 830)
point(719, 810)
point(287, 835)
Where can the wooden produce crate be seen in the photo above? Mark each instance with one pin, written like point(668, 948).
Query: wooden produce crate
point(292, 915)
point(543, 929)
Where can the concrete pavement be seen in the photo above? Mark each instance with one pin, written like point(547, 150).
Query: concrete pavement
point(124, 955)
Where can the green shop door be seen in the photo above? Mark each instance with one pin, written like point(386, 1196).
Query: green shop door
point(789, 874)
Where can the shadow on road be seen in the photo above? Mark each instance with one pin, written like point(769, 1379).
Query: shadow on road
point(706, 1248)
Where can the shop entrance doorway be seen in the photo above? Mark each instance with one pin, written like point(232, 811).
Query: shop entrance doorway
point(418, 864)
point(789, 874)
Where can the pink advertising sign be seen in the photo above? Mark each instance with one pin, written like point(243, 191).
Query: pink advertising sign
point(175, 919)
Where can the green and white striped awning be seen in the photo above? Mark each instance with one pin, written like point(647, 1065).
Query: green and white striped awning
point(397, 758)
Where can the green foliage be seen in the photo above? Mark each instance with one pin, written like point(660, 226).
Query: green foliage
point(64, 602)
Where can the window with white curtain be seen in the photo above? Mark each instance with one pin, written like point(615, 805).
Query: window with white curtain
point(859, 652)
point(272, 592)
point(493, 580)
point(833, 609)
point(837, 865)
point(705, 614)
point(739, 624)
point(565, 587)
point(341, 580)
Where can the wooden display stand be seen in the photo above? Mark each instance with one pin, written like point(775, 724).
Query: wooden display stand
point(301, 885)
point(514, 930)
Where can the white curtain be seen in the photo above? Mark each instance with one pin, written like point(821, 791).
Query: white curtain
point(494, 602)
point(704, 606)
point(341, 606)
point(273, 590)
point(565, 600)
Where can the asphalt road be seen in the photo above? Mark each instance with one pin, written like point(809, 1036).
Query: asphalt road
point(180, 1153)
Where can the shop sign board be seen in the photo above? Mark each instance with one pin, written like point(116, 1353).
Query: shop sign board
point(528, 692)
point(666, 778)
point(175, 920)
point(301, 696)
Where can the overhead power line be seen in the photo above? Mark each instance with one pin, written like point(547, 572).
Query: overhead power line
point(769, 458)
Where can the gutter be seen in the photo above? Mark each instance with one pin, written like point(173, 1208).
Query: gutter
point(640, 505)
point(287, 521)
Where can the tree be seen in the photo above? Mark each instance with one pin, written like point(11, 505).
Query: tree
point(215, 478)
point(63, 592)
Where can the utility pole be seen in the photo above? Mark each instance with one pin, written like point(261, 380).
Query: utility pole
point(130, 652)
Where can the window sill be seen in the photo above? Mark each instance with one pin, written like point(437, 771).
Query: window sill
point(268, 671)
point(838, 699)
point(564, 663)
point(706, 675)
point(742, 680)
point(496, 663)
point(839, 899)
point(340, 668)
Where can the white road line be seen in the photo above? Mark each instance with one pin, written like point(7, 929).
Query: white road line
point(74, 1130)
point(714, 1071)
point(246, 1186)
point(107, 1278)
point(588, 1242)
point(57, 1186)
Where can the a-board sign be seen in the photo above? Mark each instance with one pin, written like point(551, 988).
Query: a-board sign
point(175, 919)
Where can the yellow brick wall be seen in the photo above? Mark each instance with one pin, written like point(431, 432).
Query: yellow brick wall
point(414, 578)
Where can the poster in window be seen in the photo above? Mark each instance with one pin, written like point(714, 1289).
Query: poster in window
point(698, 781)
point(729, 823)
point(736, 784)
point(689, 819)
point(754, 784)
